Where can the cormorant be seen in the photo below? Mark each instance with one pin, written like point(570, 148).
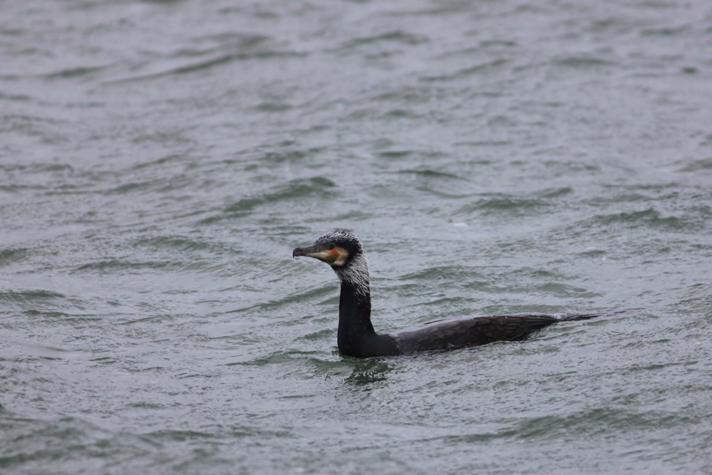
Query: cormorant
point(356, 337)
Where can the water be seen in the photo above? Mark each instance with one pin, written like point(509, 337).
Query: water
point(159, 160)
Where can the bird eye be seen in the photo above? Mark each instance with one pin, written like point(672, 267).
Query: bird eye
point(331, 246)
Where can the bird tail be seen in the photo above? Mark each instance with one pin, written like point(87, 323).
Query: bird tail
point(572, 317)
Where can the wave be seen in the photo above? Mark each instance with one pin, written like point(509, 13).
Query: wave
point(315, 187)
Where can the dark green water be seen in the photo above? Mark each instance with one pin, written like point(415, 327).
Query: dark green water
point(159, 161)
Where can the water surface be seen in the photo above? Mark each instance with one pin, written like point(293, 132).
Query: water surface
point(160, 159)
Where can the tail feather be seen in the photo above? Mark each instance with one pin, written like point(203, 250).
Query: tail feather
point(572, 317)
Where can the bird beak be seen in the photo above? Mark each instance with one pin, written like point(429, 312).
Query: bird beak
point(311, 251)
point(335, 256)
point(318, 252)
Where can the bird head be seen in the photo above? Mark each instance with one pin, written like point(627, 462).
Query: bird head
point(343, 252)
point(337, 248)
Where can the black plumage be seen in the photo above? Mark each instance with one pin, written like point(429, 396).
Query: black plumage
point(357, 337)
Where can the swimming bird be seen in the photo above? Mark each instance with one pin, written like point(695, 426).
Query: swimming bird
point(356, 336)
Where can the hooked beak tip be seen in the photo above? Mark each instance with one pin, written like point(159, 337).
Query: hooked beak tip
point(298, 252)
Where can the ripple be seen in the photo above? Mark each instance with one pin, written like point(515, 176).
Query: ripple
point(249, 50)
point(556, 192)
point(178, 243)
point(397, 36)
point(114, 265)
point(430, 173)
point(317, 335)
point(168, 435)
point(158, 163)
point(505, 204)
point(564, 290)
point(592, 253)
point(467, 72)
point(201, 347)
point(647, 217)
point(9, 256)
point(30, 296)
point(27, 350)
point(593, 422)
point(370, 371)
point(273, 106)
point(665, 31)
point(39, 444)
point(582, 62)
point(698, 165)
point(70, 73)
point(291, 298)
point(279, 157)
point(315, 187)
point(440, 272)
point(64, 316)
point(395, 153)
point(280, 357)
point(126, 188)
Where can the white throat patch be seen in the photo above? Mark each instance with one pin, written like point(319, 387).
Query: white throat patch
point(356, 274)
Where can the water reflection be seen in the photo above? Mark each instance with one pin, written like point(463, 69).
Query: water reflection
point(369, 371)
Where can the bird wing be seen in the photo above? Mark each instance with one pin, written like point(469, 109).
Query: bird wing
point(471, 332)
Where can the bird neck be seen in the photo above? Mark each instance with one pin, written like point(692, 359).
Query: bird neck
point(354, 318)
